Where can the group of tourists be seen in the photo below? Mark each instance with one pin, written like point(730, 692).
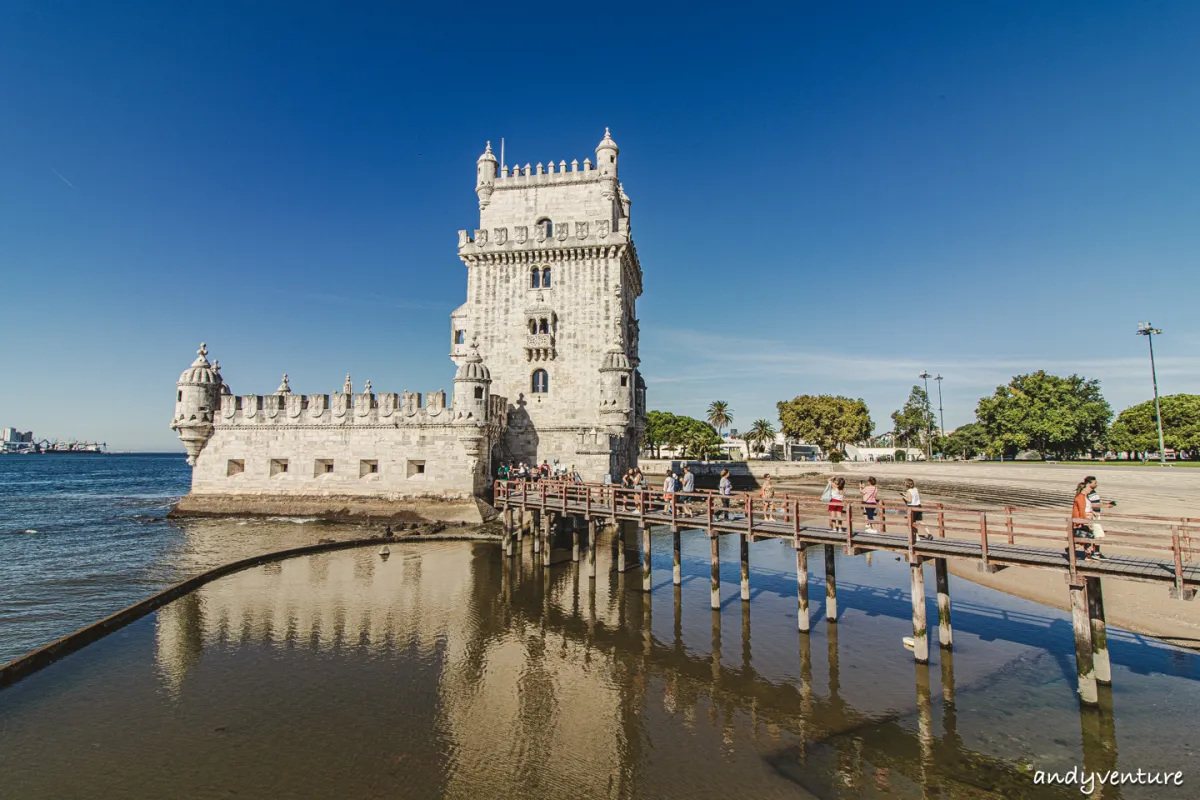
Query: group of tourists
point(520, 471)
point(835, 496)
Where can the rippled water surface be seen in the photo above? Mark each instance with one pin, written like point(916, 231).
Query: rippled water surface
point(448, 671)
point(82, 536)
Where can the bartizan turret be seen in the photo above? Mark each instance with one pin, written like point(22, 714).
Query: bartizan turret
point(472, 387)
point(616, 382)
point(197, 397)
point(606, 165)
point(485, 182)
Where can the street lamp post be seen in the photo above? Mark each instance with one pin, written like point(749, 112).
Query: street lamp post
point(925, 376)
point(1148, 330)
point(941, 417)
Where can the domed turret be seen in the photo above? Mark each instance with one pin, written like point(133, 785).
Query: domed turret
point(606, 155)
point(485, 174)
point(615, 379)
point(197, 397)
point(472, 385)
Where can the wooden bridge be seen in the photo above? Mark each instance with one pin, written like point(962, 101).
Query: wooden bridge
point(1147, 548)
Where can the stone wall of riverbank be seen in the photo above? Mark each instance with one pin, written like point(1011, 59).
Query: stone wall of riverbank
point(335, 508)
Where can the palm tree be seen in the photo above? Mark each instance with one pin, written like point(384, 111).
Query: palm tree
point(719, 415)
point(761, 431)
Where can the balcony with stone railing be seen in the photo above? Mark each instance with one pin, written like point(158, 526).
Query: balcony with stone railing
point(539, 346)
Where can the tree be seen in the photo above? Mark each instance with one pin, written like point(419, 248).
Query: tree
point(913, 423)
point(761, 433)
point(1136, 431)
point(719, 414)
point(1045, 413)
point(832, 422)
point(698, 439)
point(967, 441)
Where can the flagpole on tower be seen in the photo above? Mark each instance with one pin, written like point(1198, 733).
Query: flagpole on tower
point(502, 165)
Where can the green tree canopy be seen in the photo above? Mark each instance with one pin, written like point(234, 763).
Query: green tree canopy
point(719, 415)
point(967, 441)
point(1046, 413)
point(914, 422)
point(829, 421)
point(664, 429)
point(1135, 429)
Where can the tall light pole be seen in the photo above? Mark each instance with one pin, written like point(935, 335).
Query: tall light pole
point(1148, 330)
point(925, 376)
point(941, 417)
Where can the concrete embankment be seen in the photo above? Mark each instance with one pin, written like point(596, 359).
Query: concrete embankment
point(335, 508)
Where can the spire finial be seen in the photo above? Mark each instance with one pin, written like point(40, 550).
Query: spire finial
point(203, 351)
point(283, 386)
point(607, 135)
point(489, 147)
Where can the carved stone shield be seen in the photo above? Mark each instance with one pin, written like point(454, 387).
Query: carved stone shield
point(501, 235)
point(581, 230)
point(480, 237)
point(541, 233)
point(521, 232)
point(602, 228)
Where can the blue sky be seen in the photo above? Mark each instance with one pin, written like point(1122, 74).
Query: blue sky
point(826, 197)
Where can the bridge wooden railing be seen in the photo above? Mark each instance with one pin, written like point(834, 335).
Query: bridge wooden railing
point(994, 533)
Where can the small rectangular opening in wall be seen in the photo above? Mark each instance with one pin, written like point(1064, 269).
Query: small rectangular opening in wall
point(460, 337)
point(179, 396)
point(279, 466)
point(416, 468)
point(234, 466)
point(323, 466)
point(368, 467)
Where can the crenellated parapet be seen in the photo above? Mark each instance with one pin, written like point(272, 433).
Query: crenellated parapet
point(386, 409)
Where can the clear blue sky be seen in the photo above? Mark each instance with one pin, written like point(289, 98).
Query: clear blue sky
point(826, 197)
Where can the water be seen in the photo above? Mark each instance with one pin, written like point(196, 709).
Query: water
point(82, 536)
point(449, 671)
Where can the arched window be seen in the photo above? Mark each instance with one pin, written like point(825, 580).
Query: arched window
point(546, 278)
point(478, 392)
point(544, 326)
point(545, 222)
point(541, 381)
point(533, 278)
point(533, 326)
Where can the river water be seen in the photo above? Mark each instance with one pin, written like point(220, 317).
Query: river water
point(447, 670)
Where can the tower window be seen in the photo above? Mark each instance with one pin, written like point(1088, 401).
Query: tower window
point(322, 466)
point(179, 396)
point(546, 278)
point(545, 223)
point(234, 466)
point(460, 337)
point(478, 392)
point(541, 381)
point(279, 466)
point(544, 326)
point(624, 380)
point(368, 466)
point(533, 326)
point(533, 279)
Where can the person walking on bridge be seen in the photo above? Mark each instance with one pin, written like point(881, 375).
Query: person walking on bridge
point(689, 486)
point(912, 500)
point(726, 490)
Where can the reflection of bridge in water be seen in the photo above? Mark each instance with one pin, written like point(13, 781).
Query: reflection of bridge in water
point(1019, 538)
point(824, 743)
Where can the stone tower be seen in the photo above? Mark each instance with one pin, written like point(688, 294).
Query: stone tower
point(552, 282)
